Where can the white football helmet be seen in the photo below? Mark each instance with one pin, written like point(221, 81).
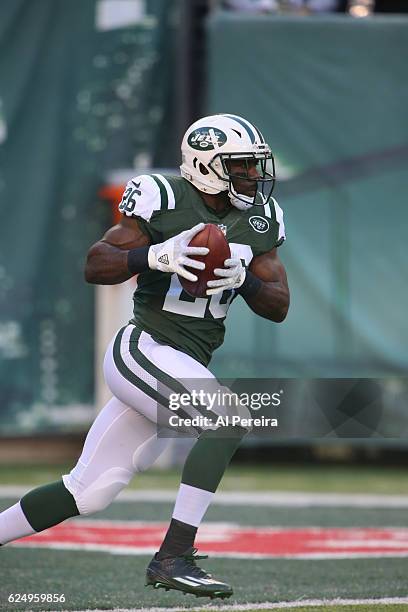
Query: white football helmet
point(211, 142)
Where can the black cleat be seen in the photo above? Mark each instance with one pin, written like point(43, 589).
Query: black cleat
point(182, 574)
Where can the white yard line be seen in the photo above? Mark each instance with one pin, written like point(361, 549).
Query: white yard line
point(388, 601)
point(297, 499)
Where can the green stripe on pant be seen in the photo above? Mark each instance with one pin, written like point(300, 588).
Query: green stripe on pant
point(141, 384)
point(172, 383)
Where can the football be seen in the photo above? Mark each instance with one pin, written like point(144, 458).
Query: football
point(213, 238)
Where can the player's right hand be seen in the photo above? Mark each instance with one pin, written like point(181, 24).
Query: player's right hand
point(173, 254)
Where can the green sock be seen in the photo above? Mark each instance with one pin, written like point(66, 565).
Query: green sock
point(209, 458)
point(48, 505)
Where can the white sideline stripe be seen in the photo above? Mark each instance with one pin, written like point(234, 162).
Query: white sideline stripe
point(148, 551)
point(235, 498)
point(387, 601)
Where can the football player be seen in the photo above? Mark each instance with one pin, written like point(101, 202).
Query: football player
point(227, 178)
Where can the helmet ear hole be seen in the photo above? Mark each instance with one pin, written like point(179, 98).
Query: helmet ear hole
point(203, 169)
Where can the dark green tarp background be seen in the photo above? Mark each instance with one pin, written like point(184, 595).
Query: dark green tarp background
point(75, 102)
point(331, 96)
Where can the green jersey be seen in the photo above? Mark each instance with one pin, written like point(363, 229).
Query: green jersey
point(165, 206)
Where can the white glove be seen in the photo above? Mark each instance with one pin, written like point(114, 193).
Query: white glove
point(233, 275)
point(172, 255)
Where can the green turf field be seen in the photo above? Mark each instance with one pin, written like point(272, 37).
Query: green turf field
point(327, 478)
point(99, 580)
point(106, 581)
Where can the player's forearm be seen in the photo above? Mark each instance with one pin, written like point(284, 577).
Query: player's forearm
point(108, 265)
point(267, 299)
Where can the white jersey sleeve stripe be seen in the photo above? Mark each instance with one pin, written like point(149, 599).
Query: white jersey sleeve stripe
point(279, 219)
point(267, 209)
point(170, 193)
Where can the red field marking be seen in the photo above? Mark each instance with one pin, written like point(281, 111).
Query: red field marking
point(227, 540)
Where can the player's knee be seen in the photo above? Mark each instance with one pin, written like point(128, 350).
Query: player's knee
point(95, 496)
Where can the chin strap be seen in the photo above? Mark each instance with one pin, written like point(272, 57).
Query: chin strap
point(241, 201)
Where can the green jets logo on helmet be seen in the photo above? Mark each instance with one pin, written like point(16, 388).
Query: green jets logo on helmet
point(206, 138)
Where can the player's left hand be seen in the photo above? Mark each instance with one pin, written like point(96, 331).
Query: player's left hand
point(232, 277)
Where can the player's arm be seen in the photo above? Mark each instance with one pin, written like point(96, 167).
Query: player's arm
point(125, 251)
point(263, 286)
point(107, 260)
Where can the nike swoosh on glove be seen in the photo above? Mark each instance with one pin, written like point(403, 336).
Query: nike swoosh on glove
point(173, 254)
point(232, 277)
